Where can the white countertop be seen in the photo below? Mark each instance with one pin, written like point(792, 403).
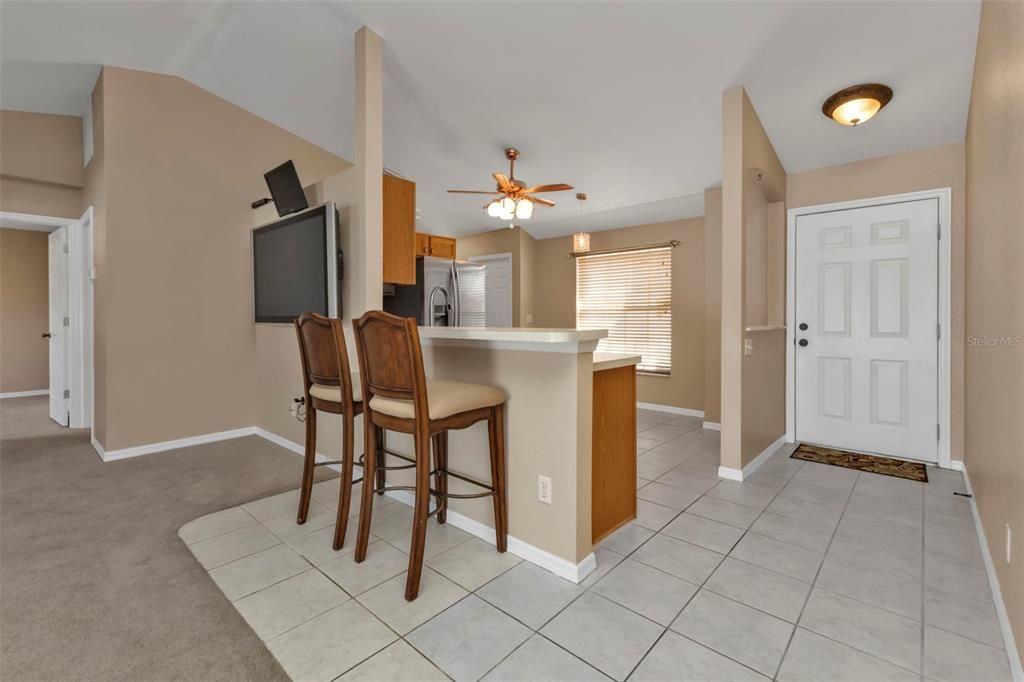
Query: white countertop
point(603, 361)
point(542, 339)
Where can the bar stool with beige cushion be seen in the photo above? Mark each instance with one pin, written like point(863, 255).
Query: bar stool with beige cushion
point(331, 387)
point(398, 397)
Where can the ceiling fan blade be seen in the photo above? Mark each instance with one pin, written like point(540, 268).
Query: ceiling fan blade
point(503, 182)
point(538, 200)
point(557, 187)
point(470, 191)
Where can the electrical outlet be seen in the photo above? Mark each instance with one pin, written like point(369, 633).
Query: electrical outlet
point(748, 346)
point(293, 408)
point(529, 318)
point(544, 489)
point(1009, 543)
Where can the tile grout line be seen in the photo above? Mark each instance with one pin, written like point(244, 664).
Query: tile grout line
point(807, 599)
point(703, 583)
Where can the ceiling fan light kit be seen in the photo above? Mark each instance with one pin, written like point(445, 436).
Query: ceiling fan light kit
point(514, 198)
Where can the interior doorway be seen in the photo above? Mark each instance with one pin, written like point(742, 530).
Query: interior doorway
point(70, 275)
point(868, 302)
point(498, 284)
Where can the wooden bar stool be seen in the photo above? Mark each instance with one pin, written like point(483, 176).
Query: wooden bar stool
point(398, 397)
point(329, 387)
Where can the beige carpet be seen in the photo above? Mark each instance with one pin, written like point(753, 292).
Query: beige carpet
point(94, 582)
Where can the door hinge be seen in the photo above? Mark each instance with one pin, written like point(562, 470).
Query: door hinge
point(67, 393)
point(938, 331)
point(938, 432)
point(67, 321)
point(65, 248)
point(938, 231)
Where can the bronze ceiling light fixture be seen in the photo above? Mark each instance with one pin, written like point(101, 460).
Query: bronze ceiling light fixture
point(853, 105)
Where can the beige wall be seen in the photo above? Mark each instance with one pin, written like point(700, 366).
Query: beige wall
point(41, 164)
point(94, 193)
point(554, 301)
point(177, 346)
point(519, 243)
point(753, 236)
point(994, 371)
point(713, 305)
point(932, 168)
point(24, 311)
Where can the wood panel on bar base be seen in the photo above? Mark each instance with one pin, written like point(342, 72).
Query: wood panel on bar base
point(613, 498)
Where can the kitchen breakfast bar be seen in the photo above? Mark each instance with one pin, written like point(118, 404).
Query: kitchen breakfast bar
point(571, 438)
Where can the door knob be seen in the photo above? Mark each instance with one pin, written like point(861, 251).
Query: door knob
point(802, 342)
point(803, 326)
point(46, 335)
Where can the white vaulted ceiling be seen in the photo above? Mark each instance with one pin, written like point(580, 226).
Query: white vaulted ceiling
point(620, 99)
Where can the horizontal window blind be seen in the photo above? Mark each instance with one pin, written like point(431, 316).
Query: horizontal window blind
point(629, 293)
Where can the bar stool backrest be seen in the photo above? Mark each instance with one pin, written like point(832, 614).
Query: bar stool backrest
point(390, 359)
point(323, 352)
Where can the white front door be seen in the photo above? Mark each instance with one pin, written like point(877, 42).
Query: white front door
point(498, 285)
point(59, 341)
point(866, 375)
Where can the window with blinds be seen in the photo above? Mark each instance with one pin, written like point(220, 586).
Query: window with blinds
point(629, 293)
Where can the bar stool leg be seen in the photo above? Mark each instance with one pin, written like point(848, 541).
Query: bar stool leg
point(366, 504)
point(308, 465)
point(382, 474)
point(441, 477)
point(496, 431)
point(420, 511)
point(345, 494)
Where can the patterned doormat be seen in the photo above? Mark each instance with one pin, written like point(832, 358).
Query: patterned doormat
point(855, 460)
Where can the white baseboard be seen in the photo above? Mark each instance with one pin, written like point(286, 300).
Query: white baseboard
point(733, 474)
point(524, 550)
point(137, 451)
point(668, 409)
point(712, 426)
point(957, 465)
point(97, 447)
point(997, 596)
point(24, 394)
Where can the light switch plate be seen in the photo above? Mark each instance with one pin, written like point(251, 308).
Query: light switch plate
point(748, 346)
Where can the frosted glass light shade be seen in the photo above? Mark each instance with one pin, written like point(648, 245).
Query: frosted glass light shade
point(494, 209)
point(524, 209)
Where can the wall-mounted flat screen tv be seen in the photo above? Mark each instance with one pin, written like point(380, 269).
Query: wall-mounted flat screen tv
point(296, 266)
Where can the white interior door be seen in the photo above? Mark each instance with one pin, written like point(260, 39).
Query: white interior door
point(59, 341)
point(498, 287)
point(867, 329)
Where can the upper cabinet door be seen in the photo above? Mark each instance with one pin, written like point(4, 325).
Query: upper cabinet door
point(442, 247)
point(399, 231)
point(422, 244)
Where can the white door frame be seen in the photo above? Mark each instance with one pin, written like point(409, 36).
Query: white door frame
point(81, 273)
point(943, 196)
point(502, 256)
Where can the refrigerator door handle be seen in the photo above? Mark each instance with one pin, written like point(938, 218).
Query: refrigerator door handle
point(458, 295)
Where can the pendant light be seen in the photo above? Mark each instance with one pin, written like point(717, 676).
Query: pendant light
point(581, 240)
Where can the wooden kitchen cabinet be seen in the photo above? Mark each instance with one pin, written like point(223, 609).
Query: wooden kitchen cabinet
point(434, 245)
point(422, 244)
point(442, 247)
point(399, 231)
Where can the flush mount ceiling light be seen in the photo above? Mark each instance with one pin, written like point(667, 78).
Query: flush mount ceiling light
point(853, 105)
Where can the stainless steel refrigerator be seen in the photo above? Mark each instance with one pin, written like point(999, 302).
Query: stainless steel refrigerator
point(447, 293)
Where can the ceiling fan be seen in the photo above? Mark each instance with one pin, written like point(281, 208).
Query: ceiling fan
point(515, 200)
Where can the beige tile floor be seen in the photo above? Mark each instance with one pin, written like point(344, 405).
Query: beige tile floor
point(804, 572)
